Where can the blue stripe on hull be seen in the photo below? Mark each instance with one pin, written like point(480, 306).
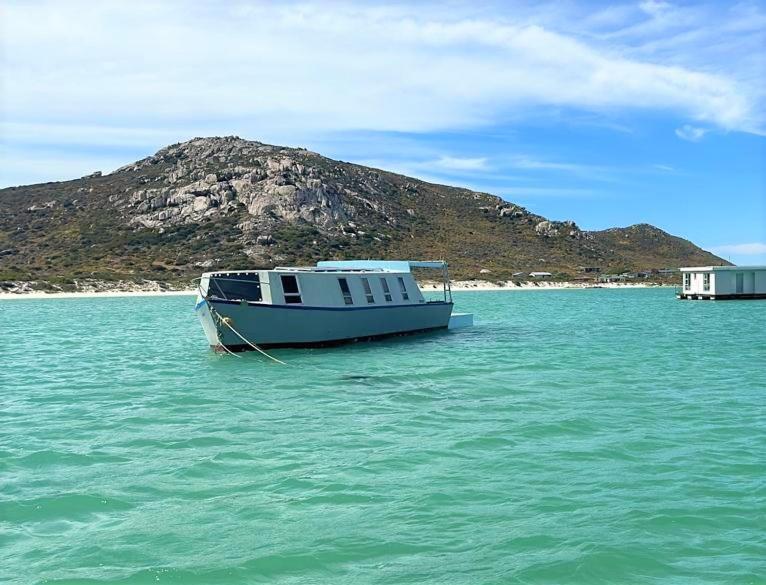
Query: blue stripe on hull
point(313, 308)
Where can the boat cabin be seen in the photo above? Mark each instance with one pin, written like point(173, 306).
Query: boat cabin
point(329, 284)
point(723, 282)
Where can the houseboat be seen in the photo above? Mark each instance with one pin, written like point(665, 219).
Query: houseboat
point(330, 303)
point(723, 283)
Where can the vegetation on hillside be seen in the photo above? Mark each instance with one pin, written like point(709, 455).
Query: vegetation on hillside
point(227, 202)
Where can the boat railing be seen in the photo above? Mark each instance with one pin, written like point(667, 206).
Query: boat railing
point(446, 285)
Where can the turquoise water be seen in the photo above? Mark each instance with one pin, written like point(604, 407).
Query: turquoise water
point(591, 436)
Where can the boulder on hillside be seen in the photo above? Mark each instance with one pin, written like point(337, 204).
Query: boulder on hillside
point(546, 229)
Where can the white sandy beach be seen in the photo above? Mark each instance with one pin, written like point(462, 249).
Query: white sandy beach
point(94, 294)
point(483, 285)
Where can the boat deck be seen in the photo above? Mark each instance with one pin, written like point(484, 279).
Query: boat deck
point(731, 297)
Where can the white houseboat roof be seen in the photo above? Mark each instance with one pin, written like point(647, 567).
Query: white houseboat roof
point(720, 268)
point(380, 265)
point(351, 266)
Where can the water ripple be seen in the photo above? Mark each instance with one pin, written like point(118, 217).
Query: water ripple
point(570, 437)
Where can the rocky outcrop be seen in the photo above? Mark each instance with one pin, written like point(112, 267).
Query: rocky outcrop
point(45, 206)
point(267, 183)
point(552, 229)
point(547, 229)
point(270, 185)
point(510, 211)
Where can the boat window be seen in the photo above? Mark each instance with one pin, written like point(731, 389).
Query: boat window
point(403, 288)
point(235, 287)
point(706, 281)
point(290, 288)
point(687, 280)
point(368, 291)
point(386, 290)
point(347, 298)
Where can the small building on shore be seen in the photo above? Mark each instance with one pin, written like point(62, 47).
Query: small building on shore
point(540, 275)
point(723, 282)
point(611, 278)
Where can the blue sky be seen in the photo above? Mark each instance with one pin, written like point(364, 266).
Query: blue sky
point(605, 113)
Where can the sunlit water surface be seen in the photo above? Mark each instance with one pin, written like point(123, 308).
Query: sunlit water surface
point(592, 436)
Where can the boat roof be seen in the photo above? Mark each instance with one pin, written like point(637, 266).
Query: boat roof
point(351, 266)
point(717, 268)
point(381, 265)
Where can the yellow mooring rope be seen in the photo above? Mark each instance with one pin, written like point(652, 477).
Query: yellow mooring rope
point(227, 321)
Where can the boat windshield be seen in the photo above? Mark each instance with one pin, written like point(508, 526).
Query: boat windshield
point(235, 287)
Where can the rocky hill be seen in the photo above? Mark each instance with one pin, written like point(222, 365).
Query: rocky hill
point(233, 203)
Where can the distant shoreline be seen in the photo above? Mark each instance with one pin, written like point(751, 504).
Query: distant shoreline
point(482, 285)
point(426, 287)
point(95, 294)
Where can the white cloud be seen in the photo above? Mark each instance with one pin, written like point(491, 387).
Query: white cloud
point(529, 163)
point(276, 69)
point(654, 8)
point(487, 176)
point(90, 134)
point(452, 163)
point(751, 249)
point(691, 133)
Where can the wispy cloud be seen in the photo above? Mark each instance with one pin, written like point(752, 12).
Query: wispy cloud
point(664, 168)
point(527, 162)
point(274, 68)
point(488, 175)
point(521, 193)
point(546, 167)
point(453, 163)
point(691, 133)
point(654, 7)
point(750, 249)
point(24, 167)
point(62, 133)
point(725, 38)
